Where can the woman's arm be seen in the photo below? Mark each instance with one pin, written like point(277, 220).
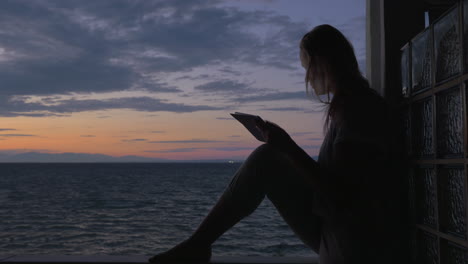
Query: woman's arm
point(339, 186)
point(336, 186)
point(307, 166)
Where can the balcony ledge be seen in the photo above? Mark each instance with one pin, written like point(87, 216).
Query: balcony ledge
point(101, 259)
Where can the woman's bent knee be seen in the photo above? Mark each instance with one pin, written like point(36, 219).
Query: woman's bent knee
point(265, 151)
point(262, 162)
point(268, 162)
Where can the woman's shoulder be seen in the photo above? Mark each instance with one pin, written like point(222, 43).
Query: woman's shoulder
point(365, 97)
point(363, 104)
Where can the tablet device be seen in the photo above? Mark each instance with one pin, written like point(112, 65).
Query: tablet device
point(249, 122)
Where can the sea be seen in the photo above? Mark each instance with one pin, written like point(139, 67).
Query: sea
point(127, 209)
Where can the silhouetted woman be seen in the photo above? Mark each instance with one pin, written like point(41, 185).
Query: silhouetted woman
point(343, 206)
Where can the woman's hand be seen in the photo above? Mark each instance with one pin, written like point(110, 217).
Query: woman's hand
point(276, 136)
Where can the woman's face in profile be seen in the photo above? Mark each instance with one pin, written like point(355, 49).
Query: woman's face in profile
point(317, 81)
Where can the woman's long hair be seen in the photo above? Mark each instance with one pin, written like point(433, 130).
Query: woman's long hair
point(332, 60)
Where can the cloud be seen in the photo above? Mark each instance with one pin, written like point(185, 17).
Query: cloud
point(194, 78)
point(298, 134)
point(275, 96)
point(310, 146)
point(50, 48)
point(230, 70)
point(54, 51)
point(223, 70)
point(17, 135)
point(7, 129)
point(88, 136)
point(144, 104)
point(315, 138)
point(284, 109)
point(233, 148)
point(19, 151)
point(223, 86)
point(85, 75)
point(224, 118)
point(187, 141)
point(179, 150)
point(135, 140)
point(57, 47)
point(158, 132)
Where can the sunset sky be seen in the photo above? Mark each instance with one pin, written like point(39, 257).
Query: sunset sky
point(159, 78)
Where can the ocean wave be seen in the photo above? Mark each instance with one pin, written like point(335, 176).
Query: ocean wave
point(127, 209)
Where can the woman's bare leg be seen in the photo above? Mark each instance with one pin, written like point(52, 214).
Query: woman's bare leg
point(266, 172)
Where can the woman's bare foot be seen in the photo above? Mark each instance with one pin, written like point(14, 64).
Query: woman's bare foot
point(184, 252)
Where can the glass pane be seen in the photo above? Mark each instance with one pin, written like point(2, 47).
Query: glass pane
point(449, 112)
point(453, 253)
point(428, 250)
point(465, 34)
point(405, 71)
point(421, 61)
point(451, 196)
point(412, 197)
point(456, 254)
point(421, 126)
point(407, 129)
point(447, 46)
point(413, 245)
point(426, 202)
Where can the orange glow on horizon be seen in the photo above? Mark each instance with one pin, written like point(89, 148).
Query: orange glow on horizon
point(198, 135)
